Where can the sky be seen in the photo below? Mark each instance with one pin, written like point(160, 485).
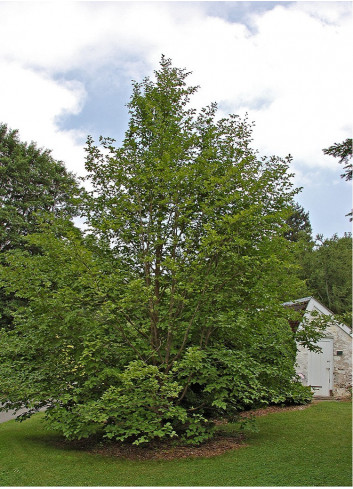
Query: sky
point(66, 71)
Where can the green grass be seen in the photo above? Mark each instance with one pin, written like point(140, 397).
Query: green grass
point(311, 447)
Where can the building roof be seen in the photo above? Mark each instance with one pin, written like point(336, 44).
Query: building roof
point(297, 305)
point(309, 304)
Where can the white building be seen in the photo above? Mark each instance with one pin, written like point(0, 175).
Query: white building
point(329, 372)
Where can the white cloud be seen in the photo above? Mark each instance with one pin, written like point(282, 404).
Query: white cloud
point(31, 102)
point(330, 12)
point(313, 103)
point(290, 72)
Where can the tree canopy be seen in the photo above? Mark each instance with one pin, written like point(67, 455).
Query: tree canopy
point(167, 313)
point(299, 225)
point(31, 181)
point(32, 185)
point(327, 268)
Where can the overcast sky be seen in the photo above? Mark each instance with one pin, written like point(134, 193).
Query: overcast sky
point(66, 71)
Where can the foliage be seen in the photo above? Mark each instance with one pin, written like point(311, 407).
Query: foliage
point(327, 269)
point(297, 394)
point(31, 182)
point(68, 346)
point(312, 329)
point(167, 314)
point(343, 151)
point(299, 225)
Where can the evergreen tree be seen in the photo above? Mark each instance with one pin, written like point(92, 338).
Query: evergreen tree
point(343, 151)
point(299, 225)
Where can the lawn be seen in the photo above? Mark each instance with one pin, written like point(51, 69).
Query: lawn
point(309, 447)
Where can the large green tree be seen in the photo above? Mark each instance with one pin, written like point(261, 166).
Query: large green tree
point(31, 183)
point(167, 314)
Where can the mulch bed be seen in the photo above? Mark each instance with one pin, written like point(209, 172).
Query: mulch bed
point(169, 450)
point(166, 450)
point(273, 409)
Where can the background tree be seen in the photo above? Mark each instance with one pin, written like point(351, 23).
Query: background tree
point(168, 313)
point(324, 264)
point(299, 225)
point(327, 269)
point(31, 182)
point(343, 151)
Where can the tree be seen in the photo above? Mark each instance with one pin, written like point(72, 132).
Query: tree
point(343, 151)
point(299, 225)
point(328, 272)
point(31, 182)
point(324, 264)
point(168, 313)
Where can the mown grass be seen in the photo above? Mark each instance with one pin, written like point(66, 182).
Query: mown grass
point(309, 447)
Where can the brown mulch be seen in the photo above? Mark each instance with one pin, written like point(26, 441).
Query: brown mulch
point(169, 450)
point(273, 409)
point(166, 450)
point(157, 450)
